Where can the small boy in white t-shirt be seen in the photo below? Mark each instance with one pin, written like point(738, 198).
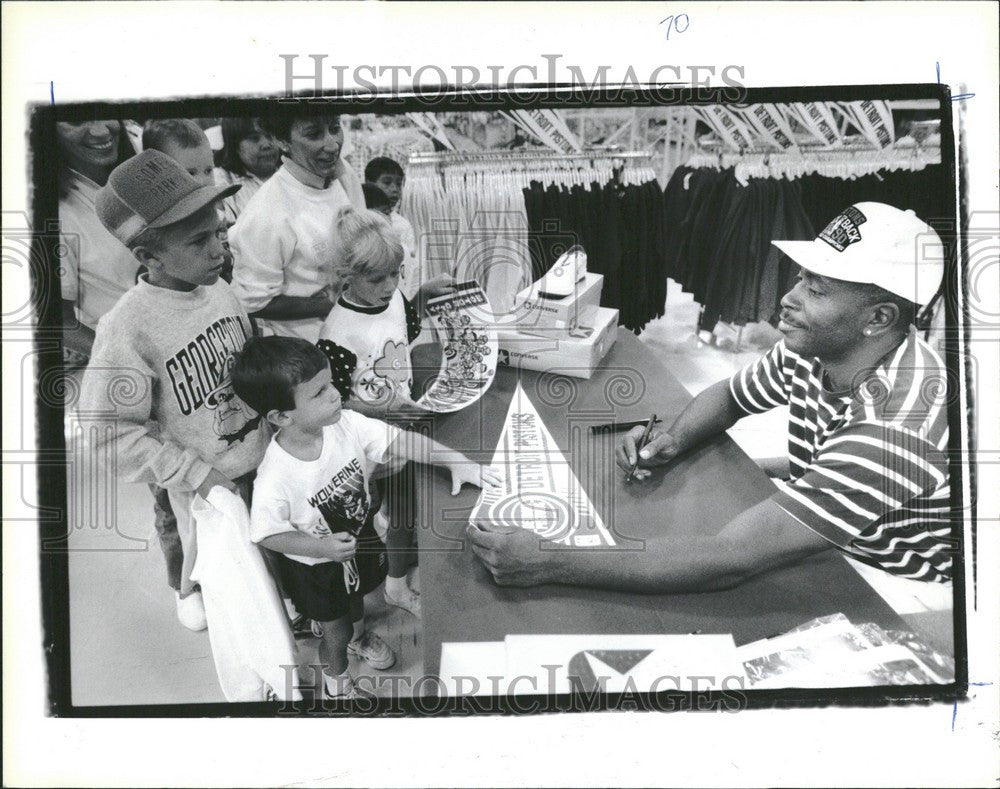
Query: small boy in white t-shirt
point(311, 499)
point(367, 338)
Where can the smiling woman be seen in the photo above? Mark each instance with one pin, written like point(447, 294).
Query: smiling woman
point(98, 269)
point(282, 240)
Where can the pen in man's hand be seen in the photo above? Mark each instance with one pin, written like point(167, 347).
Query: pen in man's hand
point(642, 442)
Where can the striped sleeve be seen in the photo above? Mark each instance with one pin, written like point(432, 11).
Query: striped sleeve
point(765, 383)
point(863, 473)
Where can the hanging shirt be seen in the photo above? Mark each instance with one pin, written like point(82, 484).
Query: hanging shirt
point(282, 244)
point(323, 496)
point(161, 365)
point(869, 471)
point(411, 277)
point(369, 348)
point(97, 268)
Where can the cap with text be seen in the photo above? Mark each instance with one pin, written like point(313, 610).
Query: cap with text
point(151, 190)
point(878, 244)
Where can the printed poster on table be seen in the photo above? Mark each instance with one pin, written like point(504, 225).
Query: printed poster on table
point(540, 492)
point(463, 324)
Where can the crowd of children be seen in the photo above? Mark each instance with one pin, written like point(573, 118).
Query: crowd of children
point(263, 312)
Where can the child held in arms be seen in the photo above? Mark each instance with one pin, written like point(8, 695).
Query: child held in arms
point(311, 500)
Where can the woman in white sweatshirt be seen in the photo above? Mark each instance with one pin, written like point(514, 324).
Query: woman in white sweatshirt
point(282, 240)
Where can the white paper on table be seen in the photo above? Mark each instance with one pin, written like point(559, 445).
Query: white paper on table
point(468, 668)
point(545, 664)
point(539, 491)
point(465, 327)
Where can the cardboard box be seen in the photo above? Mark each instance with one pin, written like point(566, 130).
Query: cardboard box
point(576, 356)
point(537, 313)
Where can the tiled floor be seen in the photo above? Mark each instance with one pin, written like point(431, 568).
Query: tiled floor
point(127, 646)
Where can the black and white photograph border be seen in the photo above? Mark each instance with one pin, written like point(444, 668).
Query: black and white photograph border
point(108, 543)
point(97, 600)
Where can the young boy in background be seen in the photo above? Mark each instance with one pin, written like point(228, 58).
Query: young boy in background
point(386, 174)
point(311, 501)
point(377, 200)
point(186, 143)
point(162, 356)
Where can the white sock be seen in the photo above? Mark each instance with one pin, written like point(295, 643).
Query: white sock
point(359, 629)
point(396, 587)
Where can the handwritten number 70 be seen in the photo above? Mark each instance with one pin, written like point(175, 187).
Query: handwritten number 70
point(674, 22)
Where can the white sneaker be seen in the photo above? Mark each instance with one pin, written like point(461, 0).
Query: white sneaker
point(414, 580)
point(408, 601)
point(348, 690)
point(373, 650)
point(191, 611)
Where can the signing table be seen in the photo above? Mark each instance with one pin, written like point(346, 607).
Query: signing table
point(699, 493)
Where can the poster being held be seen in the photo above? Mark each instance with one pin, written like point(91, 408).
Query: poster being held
point(463, 324)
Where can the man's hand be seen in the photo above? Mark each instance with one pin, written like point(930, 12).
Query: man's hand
point(513, 558)
point(441, 285)
point(660, 450)
point(216, 478)
point(340, 546)
point(474, 474)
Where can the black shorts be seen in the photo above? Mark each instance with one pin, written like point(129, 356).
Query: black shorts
point(320, 591)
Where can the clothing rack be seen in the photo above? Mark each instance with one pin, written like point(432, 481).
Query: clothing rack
point(528, 157)
point(851, 160)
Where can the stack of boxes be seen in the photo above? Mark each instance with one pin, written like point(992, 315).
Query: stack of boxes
point(560, 325)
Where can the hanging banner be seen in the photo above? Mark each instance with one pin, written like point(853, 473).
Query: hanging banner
point(818, 120)
point(874, 121)
point(771, 125)
point(429, 125)
point(733, 131)
point(547, 127)
point(539, 492)
point(556, 117)
point(463, 324)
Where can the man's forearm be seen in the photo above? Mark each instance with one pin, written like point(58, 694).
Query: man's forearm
point(760, 538)
point(712, 412)
point(295, 308)
point(662, 565)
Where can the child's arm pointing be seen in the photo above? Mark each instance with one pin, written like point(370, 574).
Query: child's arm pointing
point(419, 448)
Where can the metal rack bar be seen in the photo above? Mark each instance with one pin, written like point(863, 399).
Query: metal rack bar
point(448, 157)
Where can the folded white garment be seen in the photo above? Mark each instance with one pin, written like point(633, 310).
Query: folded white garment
point(252, 644)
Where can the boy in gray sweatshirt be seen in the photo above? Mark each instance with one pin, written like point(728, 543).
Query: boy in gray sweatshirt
point(160, 367)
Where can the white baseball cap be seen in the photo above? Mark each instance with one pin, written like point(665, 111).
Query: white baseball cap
point(876, 244)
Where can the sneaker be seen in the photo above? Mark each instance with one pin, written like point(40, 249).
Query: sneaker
point(349, 692)
point(304, 627)
point(373, 650)
point(408, 601)
point(191, 611)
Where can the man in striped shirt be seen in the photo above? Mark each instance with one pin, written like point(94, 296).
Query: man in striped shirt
point(867, 434)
